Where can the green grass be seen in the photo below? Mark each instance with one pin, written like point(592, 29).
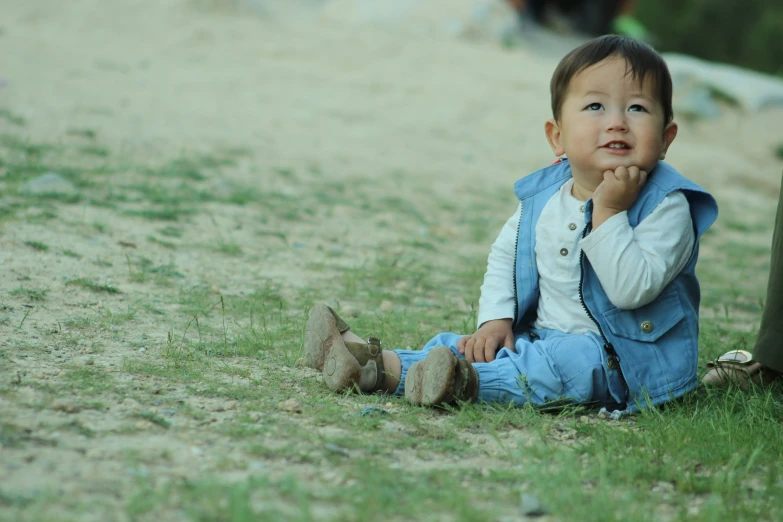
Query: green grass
point(83, 133)
point(37, 245)
point(142, 269)
point(155, 419)
point(12, 118)
point(95, 150)
point(227, 248)
point(162, 242)
point(33, 294)
point(88, 284)
point(180, 380)
point(166, 213)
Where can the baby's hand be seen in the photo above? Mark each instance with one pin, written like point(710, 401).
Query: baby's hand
point(488, 339)
point(617, 192)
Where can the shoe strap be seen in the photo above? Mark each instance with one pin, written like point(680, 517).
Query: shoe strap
point(370, 358)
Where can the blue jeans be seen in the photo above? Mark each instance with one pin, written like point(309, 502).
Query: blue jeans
point(550, 367)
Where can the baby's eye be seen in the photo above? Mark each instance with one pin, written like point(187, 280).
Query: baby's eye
point(637, 108)
point(594, 107)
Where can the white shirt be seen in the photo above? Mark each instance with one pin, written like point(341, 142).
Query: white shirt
point(632, 265)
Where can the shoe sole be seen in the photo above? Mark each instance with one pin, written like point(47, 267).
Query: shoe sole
point(326, 351)
point(320, 328)
point(431, 382)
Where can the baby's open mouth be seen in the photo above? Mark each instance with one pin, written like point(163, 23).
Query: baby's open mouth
point(617, 145)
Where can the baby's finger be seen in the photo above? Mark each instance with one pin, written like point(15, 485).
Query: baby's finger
point(642, 177)
point(621, 173)
point(633, 174)
point(469, 348)
point(478, 351)
point(490, 349)
point(461, 344)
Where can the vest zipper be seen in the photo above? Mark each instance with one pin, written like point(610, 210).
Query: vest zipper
point(613, 361)
point(516, 253)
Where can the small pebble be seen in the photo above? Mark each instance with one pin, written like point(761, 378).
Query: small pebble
point(291, 406)
point(89, 361)
point(49, 183)
point(393, 427)
point(65, 406)
point(334, 448)
point(142, 349)
point(531, 506)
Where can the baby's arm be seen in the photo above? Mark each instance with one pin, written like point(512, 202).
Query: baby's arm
point(635, 265)
point(496, 304)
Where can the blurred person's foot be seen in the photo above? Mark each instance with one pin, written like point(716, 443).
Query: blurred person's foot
point(738, 367)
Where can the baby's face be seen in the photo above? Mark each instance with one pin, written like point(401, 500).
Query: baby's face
point(609, 119)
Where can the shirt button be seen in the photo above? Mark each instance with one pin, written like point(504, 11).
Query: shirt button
point(563, 251)
point(572, 226)
point(647, 327)
point(582, 208)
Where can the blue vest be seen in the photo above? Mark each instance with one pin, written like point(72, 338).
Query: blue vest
point(655, 345)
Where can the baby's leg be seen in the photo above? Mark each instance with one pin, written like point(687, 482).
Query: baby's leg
point(556, 368)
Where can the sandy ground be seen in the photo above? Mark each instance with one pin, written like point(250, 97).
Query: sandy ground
point(301, 88)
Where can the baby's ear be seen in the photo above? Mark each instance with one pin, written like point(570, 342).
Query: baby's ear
point(669, 133)
point(554, 135)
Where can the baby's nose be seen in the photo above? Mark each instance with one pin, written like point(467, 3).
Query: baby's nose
point(616, 121)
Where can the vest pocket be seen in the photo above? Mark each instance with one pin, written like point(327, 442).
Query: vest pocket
point(647, 323)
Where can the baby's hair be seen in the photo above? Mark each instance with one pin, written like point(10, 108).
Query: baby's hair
point(641, 58)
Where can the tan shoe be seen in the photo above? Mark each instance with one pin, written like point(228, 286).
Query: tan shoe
point(441, 378)
point(738, 367)
point(324, 327)
point(344, 365)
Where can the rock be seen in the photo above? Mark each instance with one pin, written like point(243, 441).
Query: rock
point(697, 103)
point(89, 361)
point(751, 90)
point(65, 406)
point(334, 448)
point(393, 427)
point(386, 306)
point(531, 506)
point(49, 183)
point(130, 405)
point(291, 406)
point(222, 188)
point(230, 405)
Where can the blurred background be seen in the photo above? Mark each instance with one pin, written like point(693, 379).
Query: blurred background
point(747, 33)
point(744, 33)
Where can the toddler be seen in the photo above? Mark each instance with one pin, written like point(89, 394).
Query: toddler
point(590, 294)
